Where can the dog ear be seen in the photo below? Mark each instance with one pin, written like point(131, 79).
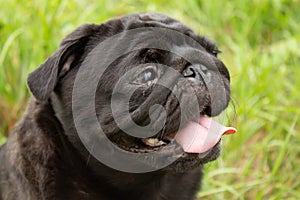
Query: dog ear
point(43, 80)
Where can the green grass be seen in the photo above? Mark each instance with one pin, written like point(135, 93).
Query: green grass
point(260, 41)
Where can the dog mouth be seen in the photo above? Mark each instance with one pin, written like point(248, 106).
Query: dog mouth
point(194, 138)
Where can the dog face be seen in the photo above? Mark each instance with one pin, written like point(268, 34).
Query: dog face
point(182, 75)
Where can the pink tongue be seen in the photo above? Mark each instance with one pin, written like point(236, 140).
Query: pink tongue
point(200, 137)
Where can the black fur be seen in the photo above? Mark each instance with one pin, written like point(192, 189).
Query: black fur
point(44, 158)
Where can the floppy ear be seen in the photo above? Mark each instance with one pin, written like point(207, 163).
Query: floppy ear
point(43, 80)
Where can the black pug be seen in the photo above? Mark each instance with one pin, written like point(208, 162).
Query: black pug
point(44, 157)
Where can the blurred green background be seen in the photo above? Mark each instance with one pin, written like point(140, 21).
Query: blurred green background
point(260, 41)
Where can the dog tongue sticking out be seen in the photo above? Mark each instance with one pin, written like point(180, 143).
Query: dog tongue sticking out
point(200, 137)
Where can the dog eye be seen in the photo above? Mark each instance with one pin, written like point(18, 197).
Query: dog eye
point(147, 76)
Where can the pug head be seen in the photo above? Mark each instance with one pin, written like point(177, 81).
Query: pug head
point(145, 84)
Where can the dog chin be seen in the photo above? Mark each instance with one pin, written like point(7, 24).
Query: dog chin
point(191, 161)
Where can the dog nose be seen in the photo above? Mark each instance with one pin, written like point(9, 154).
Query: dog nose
point(197, 73)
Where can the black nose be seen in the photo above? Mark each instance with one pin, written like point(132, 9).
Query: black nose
point(197, 73)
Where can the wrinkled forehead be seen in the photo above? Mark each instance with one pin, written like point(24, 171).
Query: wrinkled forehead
point(163, 38)
point(160, 38)
point(164, 25)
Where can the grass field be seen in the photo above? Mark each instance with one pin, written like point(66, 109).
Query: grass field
point(260, 41)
